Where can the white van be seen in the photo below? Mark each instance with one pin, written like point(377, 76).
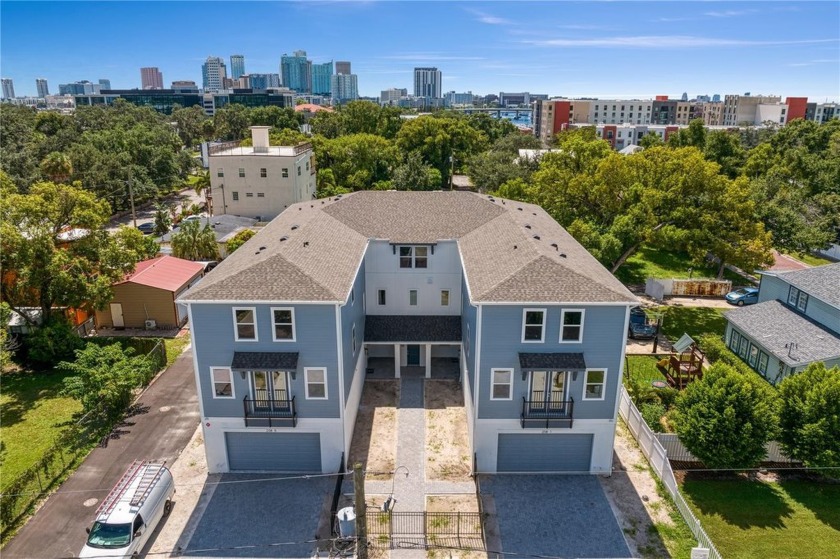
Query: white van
point(130, 512)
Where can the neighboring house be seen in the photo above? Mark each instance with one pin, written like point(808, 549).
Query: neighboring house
point(225, 227)
point(260, 180)
point(795, 323)
point(146, 298)
point(494, 290)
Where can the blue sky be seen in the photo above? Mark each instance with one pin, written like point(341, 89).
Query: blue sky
point(606, 49)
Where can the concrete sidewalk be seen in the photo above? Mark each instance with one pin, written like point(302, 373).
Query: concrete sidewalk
point(167, 420)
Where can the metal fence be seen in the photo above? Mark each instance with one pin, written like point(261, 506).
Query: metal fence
point(425, 529)
point(676, 450)
point(658, 459)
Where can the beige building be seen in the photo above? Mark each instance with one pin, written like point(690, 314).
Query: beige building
point(260, 181)
point(713, 114)
point(748, 109)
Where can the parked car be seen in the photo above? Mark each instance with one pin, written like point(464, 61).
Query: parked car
point(640, 326)
point(743, 296)
point(130, 512)
point(146, 228)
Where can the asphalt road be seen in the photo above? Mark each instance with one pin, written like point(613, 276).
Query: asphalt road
point(168, 418)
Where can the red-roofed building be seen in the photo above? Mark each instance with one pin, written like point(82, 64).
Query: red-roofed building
point(146, 298)
point(310, 108)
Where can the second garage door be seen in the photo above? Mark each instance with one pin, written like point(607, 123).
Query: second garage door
point(544, 453)
point(274, 452)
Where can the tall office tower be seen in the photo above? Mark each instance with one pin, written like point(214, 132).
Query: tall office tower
point(42, 87)
point(274, 80)
point(8, 88)
point(716, 98)
point(342, 67)
point(151, 78)
point(106, 84)
point(684, 96)
point(213, 74)
point(322, 78)
point(237, 66)
point(344, 88)
point(427, 82)
point(392, 95)
point(297, 72)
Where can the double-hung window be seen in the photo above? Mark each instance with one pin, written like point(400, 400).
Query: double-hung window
point(222, 382)
point(798, 298)
point(533, 325)
point(444, 297)
point(414, 257)
point(285, 173)
point(501, 387)
point(593, 388)
point(263, 172)
point(381, 297)
point(412, 297)
point(245, 324)
point(241, 173)
point(316, 383)
point(284, 324)
point(571, 326)
point(220, 173)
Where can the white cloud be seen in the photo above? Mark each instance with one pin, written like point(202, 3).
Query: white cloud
point(812, 62)
point(666, 41)
point(730, 13)
point(430, 56)
point(489, 19)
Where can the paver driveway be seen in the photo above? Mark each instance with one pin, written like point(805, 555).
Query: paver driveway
point(556, 516)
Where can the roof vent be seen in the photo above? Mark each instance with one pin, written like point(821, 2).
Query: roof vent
point(305, 243)
point(284, 238)
point(537, 237)
point(534, 213)
point(527, 226)
point(295, 226)
point(555, 246)
point(514, 247)
point(299, 208)
point(262, 248)
point(322, 202)
point(520, 209)
point(256, 252)
point(562, 255)
point(311, 205)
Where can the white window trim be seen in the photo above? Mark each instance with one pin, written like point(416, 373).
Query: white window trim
point(213, 384)
point(582, 322)
point(493, 384)
point(416, 298)
point(274, 329)
point(306, 383)
point(586, 381)
point(542, 333)
point(236, 324)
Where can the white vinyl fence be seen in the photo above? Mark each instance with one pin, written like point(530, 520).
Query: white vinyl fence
point(658, 459)
point(675, 450)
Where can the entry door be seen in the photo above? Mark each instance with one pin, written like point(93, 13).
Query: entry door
point(412, 355)
point(548, 391)
point(270, 389)
point(117, 315)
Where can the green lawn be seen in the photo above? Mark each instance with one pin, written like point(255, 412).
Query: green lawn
point(32, 416)
point(760, 520)
point(695, 321)
point(652, 263)
point(643, 368)
point(174, 347)
point(811, 259)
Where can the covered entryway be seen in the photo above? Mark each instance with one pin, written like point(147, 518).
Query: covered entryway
point(274, 452)
point(544, 453)
point(427, 346)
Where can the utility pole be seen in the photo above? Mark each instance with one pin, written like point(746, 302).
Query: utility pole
point(361, 511)
point(131, 196)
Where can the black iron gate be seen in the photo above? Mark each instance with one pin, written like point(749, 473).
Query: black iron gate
point(425, 529)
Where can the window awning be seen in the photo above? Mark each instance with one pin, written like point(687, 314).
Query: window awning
point(264, 361)
point(552, 362)
point(407, 329)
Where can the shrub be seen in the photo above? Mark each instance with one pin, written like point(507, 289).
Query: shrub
point(810, 416)
point(727, 417)
point(717, 352)
point(652, 414)
point(50, 343)
point(239, 239)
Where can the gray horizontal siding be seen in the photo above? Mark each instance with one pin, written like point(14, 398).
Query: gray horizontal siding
point(274, 452)
point(544, 453)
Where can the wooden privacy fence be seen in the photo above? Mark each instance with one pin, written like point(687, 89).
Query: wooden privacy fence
point(658, 459)
point(676, 451)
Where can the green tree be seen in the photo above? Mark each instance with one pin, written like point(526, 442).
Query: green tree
point(134, 243)
point(104, 378)
point(231, 122)
point(57, 167)
point(693, 136)
point(357, 161)
point(193, 242)
point(501, 164)
point(189, 122)
point(17, 156)
point(53, 340)
point(810, 416)
point(651, 140)
point(55, 251)
point(239, 239)
point(163, 220)
point(414, 175)
point(726, 418)
point(724, 148)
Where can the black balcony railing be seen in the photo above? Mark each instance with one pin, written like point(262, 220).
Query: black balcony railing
point(547, 414)
point(270, 413)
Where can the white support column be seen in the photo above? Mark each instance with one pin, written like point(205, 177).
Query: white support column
point(396, 360)
point(428, 360)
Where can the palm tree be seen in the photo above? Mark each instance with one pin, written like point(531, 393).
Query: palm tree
point(57, 167)
point(194, 242)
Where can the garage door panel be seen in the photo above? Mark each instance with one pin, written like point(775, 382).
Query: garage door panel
point(544, 453)
point(274, 452)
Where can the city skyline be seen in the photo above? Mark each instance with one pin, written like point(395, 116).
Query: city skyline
point(619, 49)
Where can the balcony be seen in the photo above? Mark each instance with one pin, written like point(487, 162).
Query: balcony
point(270, 413)
point(542, 414)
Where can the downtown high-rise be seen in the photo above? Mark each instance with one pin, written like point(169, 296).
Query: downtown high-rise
point(322, 78)
point(427, 82)
point(213, 74)
point(151, 78)
point(42, 87)
point(8, 88)
point(237, 66)
point(296, 71)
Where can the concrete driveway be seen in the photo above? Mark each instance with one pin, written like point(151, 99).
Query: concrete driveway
point(263, 515)
point(556, 516)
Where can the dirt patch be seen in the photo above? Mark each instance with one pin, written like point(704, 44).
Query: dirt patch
point(447, 439)
point(375, 434)
point(631, 491)
point(452, 503)
point(450, 545)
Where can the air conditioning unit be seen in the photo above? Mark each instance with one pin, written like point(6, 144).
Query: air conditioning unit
point(151, 324)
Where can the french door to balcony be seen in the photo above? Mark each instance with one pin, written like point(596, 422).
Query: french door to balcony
point(270, 390)
point(549, 391)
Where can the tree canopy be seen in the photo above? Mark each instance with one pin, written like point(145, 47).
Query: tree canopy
point(194, 242)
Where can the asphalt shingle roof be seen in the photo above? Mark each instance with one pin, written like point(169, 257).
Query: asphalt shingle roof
point(774, 325)
point(552, 361)
point(822, 282)
point(387, 328)
point(512, 252)
point(263, 360)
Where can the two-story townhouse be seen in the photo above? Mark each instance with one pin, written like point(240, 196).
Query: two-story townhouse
point(796, 322)
point(284, 330)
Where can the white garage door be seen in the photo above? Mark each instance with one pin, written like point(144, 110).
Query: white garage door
point(274, 452)
point(544, 453)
